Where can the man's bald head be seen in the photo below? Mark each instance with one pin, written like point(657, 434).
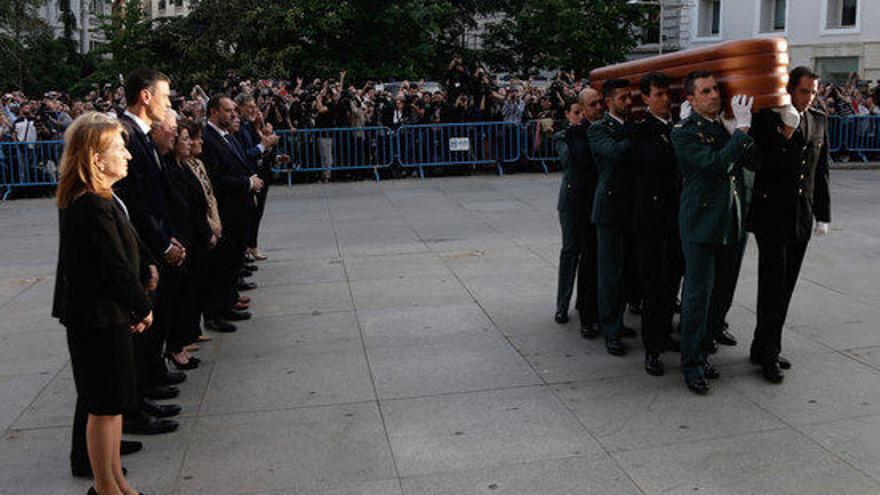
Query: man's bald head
point(591, 103)
point(164, 132)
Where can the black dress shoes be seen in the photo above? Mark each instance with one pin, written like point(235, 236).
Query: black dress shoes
point(157, 410)
point(172, 377)
point(246, 273)
point(244, 286)
point(698, 386)
point(130, 447)
point(628, 333)
point(614, 346)
point(771, 372)
point(711, 373)
point(726, 338)
point(560, 317)
point(236, 315)
point(161, 392)
point(219, 325)
point(784, 364)
point(250, 267)
point(189, 365)
point(143, 424)
point(654, 364)
point(590, 331)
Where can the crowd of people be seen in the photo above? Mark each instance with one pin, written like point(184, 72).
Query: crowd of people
point(655, 206)
point(159, 219)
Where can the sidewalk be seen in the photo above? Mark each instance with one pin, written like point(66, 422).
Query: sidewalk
point(404, 343)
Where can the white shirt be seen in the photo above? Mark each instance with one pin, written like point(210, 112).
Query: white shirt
point(25, 130)
point(661, 119)
point(615, 117)
point(224, 134)
point(143, 126)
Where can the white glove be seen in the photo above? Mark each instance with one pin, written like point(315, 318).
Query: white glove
point(742, 110)
point(729, 123)
point(685, 110)
point(790, 116)
point(822, 228)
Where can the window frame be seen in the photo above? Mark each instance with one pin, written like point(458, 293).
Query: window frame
point(759, 24)
point(695, 31)
point(824, 30)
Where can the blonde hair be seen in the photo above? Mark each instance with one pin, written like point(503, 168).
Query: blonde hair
point(88, 135)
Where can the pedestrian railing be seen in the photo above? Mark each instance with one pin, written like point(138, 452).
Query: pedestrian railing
point(472, 143)
point(29, 164)
point(325, 151)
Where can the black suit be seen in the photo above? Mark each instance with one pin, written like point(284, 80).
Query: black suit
point(261, 163)
point(230, 174)
point(575, 206)
point(99, 293)
point(657, 191)
point(791, 189)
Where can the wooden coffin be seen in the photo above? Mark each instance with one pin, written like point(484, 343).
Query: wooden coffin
point(756, 67)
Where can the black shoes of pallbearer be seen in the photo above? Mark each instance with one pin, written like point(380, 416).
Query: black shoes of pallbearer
point(654, 363)
point(561, 317)
point(615, 346)
point(726, 338)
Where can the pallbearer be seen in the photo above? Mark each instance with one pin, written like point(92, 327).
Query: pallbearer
point(791, 189)
point(655, 218)
point(710, 218)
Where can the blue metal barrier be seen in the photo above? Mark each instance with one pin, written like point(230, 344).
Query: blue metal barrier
point(473, 143)
point(835, 134)
point(538, 142)
point(336, 149)
point(863, 135)
point(29, 164)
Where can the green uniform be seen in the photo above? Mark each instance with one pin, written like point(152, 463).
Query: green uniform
point(711, 220)
point(612, 207)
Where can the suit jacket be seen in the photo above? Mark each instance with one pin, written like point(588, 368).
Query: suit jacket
point(259, 161)
point(144, 191)
point(189, 208)
point(791, 188)
point(711, 163)
point(657, 181)
point(579, 174)
point(610, 145)
point(230, 176)
point(102, 264)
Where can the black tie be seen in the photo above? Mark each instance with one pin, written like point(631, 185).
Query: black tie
point(231, 143)
point(152, 146)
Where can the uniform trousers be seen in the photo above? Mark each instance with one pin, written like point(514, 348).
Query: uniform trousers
point(577, 261)
point(659, 271)
point(611, 296)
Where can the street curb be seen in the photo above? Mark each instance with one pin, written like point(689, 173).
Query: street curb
point(855, 166)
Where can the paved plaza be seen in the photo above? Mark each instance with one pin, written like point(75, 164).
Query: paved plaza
point(404, 343)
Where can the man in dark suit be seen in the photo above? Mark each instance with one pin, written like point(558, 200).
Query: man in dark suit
point(655, 218)
point(577, 258)
point(144, 192)
point(235, 186)
point(609, 143)
point(710, 216)
point(791, 190)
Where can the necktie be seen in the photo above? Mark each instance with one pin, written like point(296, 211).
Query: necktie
point(155, 152)
point(234, 147)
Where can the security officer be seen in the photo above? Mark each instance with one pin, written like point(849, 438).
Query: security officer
point(578, 254)
point(612, 206)
point(791, 189)
point(655, 218)
point(710, 218)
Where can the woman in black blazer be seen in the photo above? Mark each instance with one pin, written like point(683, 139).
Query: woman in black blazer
point(104, 274)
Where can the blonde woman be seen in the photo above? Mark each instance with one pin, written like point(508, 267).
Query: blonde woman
point(101, 285)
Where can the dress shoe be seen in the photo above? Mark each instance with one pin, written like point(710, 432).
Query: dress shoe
point(628, 333)
point(635, 309)
point(654, 363)
point(771, 372)
point(244, 299)
point(235, 315)
point(251, 268)
point(590, 331)
point(148, 425)
point(130, 447)
point(561, 317)
point(726, 338)
point(157, 410)
point(219, 325)
point(673, 345)
point(711, 373)
point(614, 346)
point(784, 364)
point(161, 392)
point(240, 306)
point(188, 365)
point(697, 385)
point(246, 273)
point(85, 471)
point(243, 286)
point(258, 255)
point(248, 257)
point(172, 377)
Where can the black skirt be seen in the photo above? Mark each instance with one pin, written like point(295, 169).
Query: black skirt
point(103, 369)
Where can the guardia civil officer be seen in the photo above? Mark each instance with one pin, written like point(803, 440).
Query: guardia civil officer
point(791, 190)
point(577, 258)
point(710, 217)
point(612, 206)
point(657, 187)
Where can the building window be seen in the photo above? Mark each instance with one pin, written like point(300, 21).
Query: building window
point(836, 68)
point(842, 14)
point(773, 15)
point(709, 18)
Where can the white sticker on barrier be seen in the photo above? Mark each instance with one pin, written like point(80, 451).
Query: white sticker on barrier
point(459, 144)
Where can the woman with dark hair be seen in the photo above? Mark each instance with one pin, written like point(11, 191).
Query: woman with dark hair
point(103, 276)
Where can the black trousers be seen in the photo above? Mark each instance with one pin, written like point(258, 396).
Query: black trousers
point(659, 269)
point(261, 207)
point(779, 264)
point(148, 345)
point(577, 261)
point(631, 278)
point(611, 295)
